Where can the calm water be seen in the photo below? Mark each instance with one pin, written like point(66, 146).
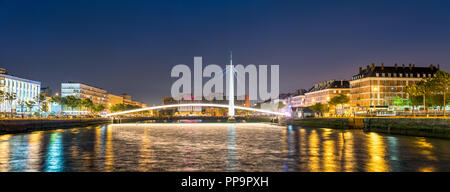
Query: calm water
point(219, 147)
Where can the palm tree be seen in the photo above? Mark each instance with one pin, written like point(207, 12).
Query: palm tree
point(99, 108)
point(44, 106)
point(60, 101)
point(30, 105)
point(21, 103)
point(10, 97)
point(87, 104)
point(2, 97)
point(40, 99)
point(56, 99)
point(72, 102)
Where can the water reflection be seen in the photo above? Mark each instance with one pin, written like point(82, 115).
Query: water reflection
point(4, 152)
point(377, 153)
point(231, 156)
point(314, 148)
point(219, 147)
point(109, 153)
point(54, 161)
point(145, 153)
point(348, 154)
point(34, 151)
point(329, 163)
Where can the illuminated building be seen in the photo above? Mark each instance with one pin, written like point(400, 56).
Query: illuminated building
point(322, 92)
point(123, 99)
point(82, 91)
point(375, 87)
point(46, 91)
point(114, 100)
point(299, 98)
point(25, 90)
point(298, 105)
point(127, 99)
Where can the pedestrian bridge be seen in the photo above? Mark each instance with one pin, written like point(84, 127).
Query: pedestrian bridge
point(198, 105)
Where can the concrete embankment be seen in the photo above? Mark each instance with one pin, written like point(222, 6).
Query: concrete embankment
point(337, 123)
point(27, 125)
point(427, 127)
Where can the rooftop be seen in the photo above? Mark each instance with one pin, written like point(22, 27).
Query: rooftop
point(70, 82)
point(372, 70)
point(331, 84)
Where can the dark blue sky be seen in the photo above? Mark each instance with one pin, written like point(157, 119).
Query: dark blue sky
point(131, 46)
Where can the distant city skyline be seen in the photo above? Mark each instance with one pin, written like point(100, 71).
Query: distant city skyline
point(130, 47)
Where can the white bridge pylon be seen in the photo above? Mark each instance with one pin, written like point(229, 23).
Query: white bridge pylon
point(197, 105)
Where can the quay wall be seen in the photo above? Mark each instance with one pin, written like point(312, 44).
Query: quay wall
point(337, 123)
point(27, 125)
point(427, 127)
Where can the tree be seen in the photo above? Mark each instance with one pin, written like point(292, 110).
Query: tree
point(424, 88)
point(339, 100)
point(117, 107)
point(398, 101)
point(412, 94)
point(40, 99)
point(87, 104)
point(2, 96)
point(21, 103)
point(319, 108)
point(72, 101)
point(99, 108)
point(44, 107)
point(10, 97)
point(30, 105)
point(281, 105)
point(60, 101)
point(440, 83)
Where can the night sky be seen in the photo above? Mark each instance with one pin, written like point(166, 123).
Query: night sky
point(131, 46)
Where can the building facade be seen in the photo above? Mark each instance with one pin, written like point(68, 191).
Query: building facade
point(82, 91)
point(375, 87)
point(24, 90)
point(322, 92)
point(113, 100)
point(124, 99)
